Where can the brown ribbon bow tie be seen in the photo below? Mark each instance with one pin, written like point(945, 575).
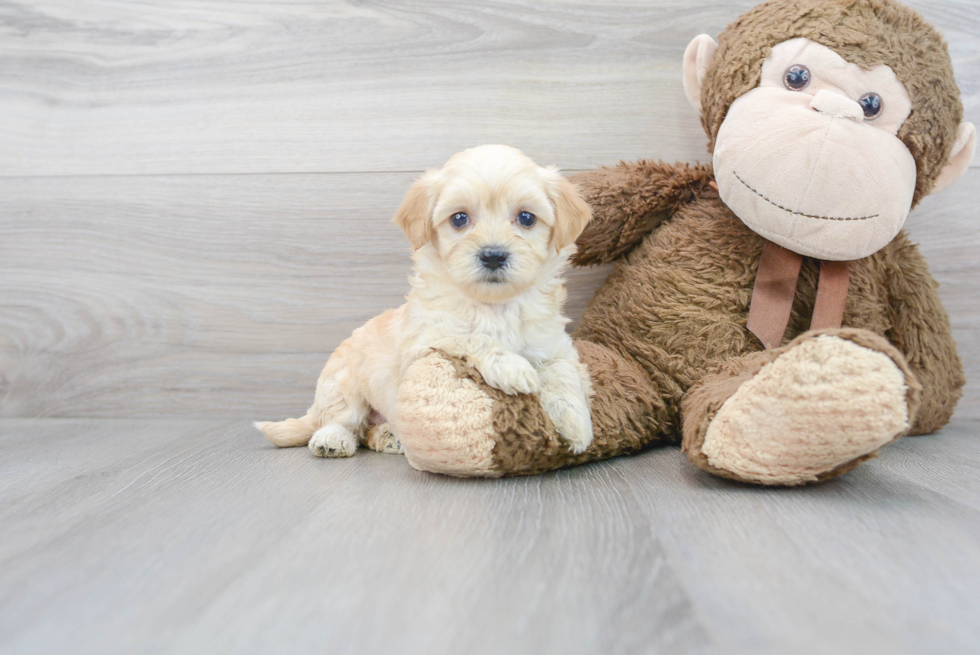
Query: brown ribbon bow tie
point(775, 287)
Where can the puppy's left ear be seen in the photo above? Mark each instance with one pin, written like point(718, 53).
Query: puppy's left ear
point(572, 213)
point(415, 213)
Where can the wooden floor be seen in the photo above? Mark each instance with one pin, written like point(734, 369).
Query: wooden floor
point(195, 203)
point(195, 536)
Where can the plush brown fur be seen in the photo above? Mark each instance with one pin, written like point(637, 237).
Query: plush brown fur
point(665, 338)
point(617, 429)
point(678, 303)
point(526, 441)
point(864, 32)
point(629, 202)
point(672, 314)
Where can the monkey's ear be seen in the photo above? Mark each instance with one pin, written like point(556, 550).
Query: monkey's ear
point(415, 213)
point(959, 160)
point(572, 213)
point(696, 59)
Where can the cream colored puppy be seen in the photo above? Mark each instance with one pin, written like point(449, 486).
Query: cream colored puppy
point(492, 233)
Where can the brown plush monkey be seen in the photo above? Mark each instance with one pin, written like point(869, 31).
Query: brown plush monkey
point(721, 325)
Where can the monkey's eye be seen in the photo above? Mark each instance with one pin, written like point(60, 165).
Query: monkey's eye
point(797, 77)
point(459, 220)
point(872, 104)
point(527, 219)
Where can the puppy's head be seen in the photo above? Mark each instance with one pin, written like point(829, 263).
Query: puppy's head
point(494, 218)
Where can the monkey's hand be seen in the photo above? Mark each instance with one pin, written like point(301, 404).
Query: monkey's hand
point(630, 200)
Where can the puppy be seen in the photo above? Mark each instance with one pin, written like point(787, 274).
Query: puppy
point(492, 233)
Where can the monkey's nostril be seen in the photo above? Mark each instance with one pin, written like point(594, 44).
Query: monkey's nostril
point(493, 258)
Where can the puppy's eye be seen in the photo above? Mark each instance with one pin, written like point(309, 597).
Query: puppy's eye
point(796, 77)
point(872, 104)
point(459, 220)
point(527, 219)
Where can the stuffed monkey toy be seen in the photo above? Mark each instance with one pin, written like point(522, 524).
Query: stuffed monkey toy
point(766, 312)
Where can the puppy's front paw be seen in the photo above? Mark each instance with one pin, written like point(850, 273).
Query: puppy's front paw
point(572, 420)
point(333, 441)
point(510, 373)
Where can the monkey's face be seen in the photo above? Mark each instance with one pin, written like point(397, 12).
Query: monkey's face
point(810, 159)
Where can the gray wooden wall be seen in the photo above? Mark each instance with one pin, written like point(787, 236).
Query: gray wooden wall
point(195, 196)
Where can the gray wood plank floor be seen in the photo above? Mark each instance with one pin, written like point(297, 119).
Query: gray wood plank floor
point(195, 536)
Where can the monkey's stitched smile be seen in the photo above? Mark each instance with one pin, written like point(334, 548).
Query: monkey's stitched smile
point(792, 211)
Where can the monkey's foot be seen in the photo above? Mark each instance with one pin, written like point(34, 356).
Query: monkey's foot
point(445, 419)
point(451, 421)
point(809, 411)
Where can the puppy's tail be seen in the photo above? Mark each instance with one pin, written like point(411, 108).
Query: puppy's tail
point(289, 433)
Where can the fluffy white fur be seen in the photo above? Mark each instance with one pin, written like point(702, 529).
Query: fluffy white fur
point(507, 322)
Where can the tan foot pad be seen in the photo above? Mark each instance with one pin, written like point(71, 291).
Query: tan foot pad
point(445, 421)
point(819, 405)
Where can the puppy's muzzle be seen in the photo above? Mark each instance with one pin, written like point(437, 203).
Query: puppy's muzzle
point(493, 258)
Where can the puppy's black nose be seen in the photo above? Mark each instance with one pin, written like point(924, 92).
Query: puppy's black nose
point(493, 258)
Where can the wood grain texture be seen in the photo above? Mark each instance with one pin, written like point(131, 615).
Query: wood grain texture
point(177, 536)
point(197, 295)
point(883, 560)
point(112, 87)
point(181, 536)
point(223, 295)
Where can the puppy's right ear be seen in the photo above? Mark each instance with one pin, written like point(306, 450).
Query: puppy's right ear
point(415, 213)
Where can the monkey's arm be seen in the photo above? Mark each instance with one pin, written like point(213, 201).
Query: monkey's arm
point(630, 200)
point(921, 330)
